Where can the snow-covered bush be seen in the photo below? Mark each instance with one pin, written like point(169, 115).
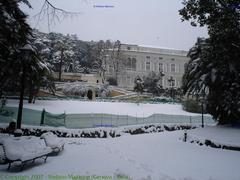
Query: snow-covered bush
point(75, 89)
point(103, 91)
point(81, 89)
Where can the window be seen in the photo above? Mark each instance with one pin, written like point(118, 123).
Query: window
point(147, 66)
point(134, 62)
point(148, 57)
point(128, 48)
point(131, 64)
point(172, 59)
point(160, 68)
point(173, 68)
point(160, 58)
point(155, 66)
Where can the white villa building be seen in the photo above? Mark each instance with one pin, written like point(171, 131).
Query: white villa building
point(141, 60)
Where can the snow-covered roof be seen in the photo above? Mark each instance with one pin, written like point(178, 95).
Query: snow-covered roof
point(153, 49)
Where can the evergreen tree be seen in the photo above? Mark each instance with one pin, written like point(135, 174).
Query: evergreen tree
point(152, 83)
point(14, 33)
point(19, 62)
point(215, 62)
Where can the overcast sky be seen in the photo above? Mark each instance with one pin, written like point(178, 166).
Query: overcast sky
point(142, 22)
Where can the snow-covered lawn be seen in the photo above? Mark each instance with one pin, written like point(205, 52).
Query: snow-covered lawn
point(157, 156)
point(118, 108)
point(225, 135)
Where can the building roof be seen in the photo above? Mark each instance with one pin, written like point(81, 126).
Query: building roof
point(152, 49)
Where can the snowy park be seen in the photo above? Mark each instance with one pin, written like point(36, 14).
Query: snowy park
point(119, 90)
point(155, 156)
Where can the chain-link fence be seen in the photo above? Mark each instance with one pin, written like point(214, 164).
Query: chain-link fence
point(33, 117)
point(110, 120)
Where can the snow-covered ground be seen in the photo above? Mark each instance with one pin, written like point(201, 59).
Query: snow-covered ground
point(225, 135)
point(118, 108)
point(158, 156)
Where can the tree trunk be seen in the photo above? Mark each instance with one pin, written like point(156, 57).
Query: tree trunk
point(1, 93)
point(30, 95)
point(60, 66)
point(20, 106)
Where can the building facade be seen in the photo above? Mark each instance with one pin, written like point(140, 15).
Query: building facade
point(135, 60)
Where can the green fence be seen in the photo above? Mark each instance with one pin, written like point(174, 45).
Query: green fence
point(110, 120)
point(29, 117)
point(33, 117)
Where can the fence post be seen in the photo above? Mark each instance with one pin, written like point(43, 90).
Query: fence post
point(136, 118)
point(65, 118)
point(92, 119)
point(117, 120)
point(111, 120)
point(190, 119)
point(42, 117)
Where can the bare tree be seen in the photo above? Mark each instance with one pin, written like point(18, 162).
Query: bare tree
point(117, 58)
point(101, 56)
point(52, 13)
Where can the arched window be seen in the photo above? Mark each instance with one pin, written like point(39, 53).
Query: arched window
point(131, 64)
point(148, 66)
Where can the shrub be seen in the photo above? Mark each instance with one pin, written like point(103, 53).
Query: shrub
point(112, 81)
point(193, 106)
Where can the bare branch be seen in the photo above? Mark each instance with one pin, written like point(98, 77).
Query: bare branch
point(53, 14)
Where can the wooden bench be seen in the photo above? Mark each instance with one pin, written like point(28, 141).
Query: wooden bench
point(23, 150)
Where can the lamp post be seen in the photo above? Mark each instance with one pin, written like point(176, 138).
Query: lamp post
point(202, 100)
point(171, 80)
point(25, 51)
